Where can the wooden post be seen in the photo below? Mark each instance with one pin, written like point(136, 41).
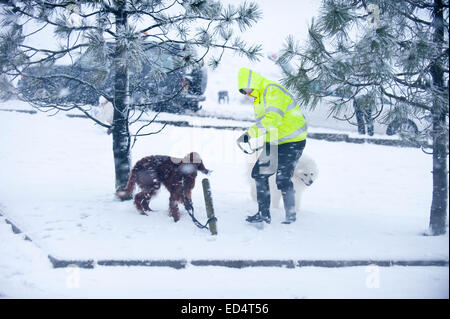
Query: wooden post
point(209, 205)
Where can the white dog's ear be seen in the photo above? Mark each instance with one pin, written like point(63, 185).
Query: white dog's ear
point(299, 172)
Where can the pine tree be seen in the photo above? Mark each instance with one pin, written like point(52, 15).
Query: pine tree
point(119, 33)
point(384, 54)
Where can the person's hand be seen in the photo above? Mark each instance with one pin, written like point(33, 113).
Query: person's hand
point(244, 138)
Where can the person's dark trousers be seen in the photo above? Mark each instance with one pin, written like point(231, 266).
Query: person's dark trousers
point(281, 160)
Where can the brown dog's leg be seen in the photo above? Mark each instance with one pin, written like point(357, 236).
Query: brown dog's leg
point(145, 204)
point(148, 194)
point(173, 208)
point(141, 202)
point(187, 190)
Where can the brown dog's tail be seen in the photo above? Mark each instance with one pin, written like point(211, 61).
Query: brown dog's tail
point(125, 193)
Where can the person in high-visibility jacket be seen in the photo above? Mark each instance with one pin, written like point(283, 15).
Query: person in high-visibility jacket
point(280, 120)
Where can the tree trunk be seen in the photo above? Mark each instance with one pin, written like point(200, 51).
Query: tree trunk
point(120, 132)
point(359, 118)
point(438, 215)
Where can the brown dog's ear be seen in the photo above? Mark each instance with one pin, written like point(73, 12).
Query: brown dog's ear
point(195, 158)
point(192, 158)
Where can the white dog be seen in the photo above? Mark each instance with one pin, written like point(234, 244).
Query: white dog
point(305, 173)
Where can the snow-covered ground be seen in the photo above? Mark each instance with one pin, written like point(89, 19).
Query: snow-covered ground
point(365, 197)
point(25, 272)
point(370, 202)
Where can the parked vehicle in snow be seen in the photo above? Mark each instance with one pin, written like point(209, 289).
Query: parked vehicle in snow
point(157, 84)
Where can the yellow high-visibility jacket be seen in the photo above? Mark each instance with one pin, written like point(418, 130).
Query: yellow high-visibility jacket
point(277, 114)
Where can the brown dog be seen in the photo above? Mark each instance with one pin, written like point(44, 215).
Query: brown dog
point(176, 174)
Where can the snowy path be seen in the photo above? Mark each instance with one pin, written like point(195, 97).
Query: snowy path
point(218, 121)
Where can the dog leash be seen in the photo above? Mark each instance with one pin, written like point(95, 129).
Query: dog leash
point(245, 139)
point(252, 150)
point(190, 209)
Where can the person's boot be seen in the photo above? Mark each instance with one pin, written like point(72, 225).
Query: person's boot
point(263, 197)
point(259, 217)
point(289, 206)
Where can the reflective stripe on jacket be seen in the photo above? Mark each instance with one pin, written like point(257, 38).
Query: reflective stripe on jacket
point(277, 114)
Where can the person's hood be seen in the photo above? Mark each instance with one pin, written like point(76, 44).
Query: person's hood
point(248, 79)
